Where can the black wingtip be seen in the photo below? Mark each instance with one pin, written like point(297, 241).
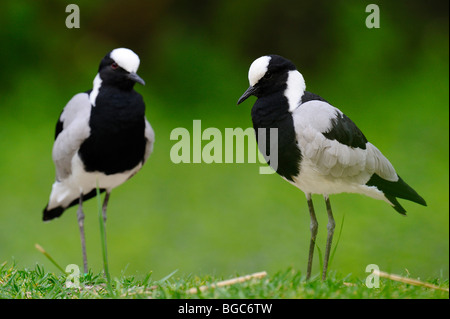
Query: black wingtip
point(57, 211)
point(399, 189)
point(52, 213)
point(396, 205)
point(420, 200)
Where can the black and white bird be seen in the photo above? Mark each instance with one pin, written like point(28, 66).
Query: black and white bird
point(102, 138)
point(320, 150)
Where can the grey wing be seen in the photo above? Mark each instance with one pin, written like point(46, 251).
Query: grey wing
point(347, 156)
point(150, 137)
point(72, 129)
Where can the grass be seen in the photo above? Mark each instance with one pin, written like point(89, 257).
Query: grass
point(37, 283)
point(73, 284)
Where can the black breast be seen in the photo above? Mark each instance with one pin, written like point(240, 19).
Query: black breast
point(117, 141)
point(272, 112)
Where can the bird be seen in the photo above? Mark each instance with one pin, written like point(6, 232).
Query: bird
point(319, 149)
point(102, 139)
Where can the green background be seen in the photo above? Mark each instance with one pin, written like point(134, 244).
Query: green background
point(225, 219)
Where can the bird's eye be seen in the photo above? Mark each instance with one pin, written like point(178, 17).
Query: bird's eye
point(268, 75)
point(114, 65)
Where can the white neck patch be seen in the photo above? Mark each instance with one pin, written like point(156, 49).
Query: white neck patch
point(295, 89)
point(126, 59)
point(95, 89)
point(258, 69)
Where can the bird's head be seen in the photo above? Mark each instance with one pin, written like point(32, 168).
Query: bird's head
point(266, 75)
point(119, 68)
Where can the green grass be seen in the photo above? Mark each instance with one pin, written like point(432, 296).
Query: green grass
point(16, 283)
point(71, 283)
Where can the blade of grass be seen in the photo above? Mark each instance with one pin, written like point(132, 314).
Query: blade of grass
point(103, 242)
point(2, 266)
point(146, 279)
point(319, 252)
point(337, 242)
point(46, 254)
point(167, 277)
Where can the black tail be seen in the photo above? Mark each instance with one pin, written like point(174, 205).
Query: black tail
point(399, 189)
point(57, 211)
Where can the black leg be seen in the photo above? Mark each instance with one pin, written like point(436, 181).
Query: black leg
point(330, 227)
point(80, 218)
point(313, 228)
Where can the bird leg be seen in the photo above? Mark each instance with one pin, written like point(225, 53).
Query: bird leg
point(313, 228)
point(105, 204)
point(330, 227)
point(80, 218)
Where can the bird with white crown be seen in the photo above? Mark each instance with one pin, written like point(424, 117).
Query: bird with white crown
point(102, 139)
point(320, 150)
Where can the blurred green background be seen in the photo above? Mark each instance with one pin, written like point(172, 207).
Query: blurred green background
point(224, 219)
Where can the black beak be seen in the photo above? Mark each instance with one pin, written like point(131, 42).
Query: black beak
point(136, 78)
point(250, 91)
